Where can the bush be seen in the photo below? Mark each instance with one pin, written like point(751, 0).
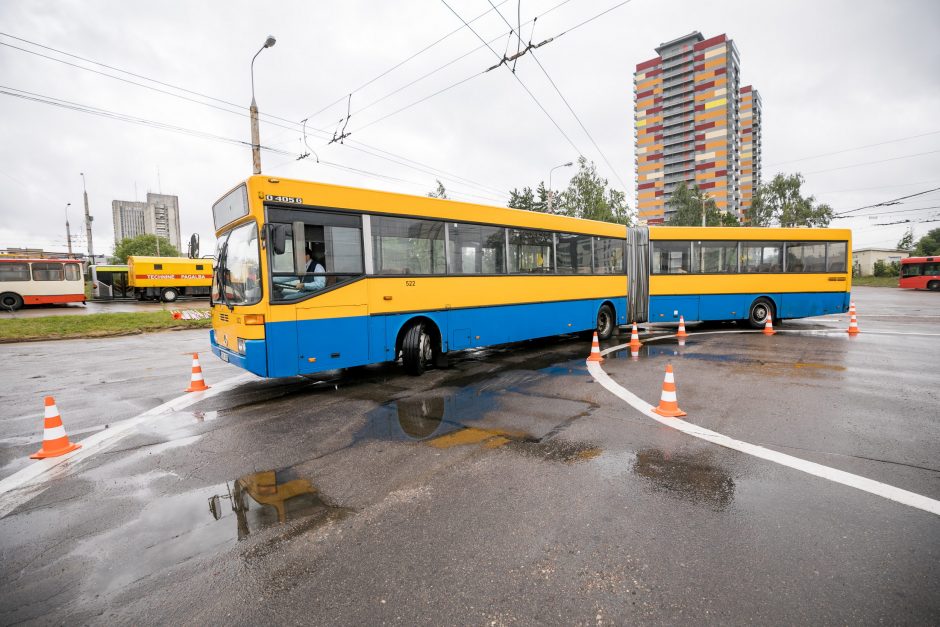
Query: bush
point(887, 269)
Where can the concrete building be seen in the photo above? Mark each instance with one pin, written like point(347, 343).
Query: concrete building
point(159, 215)
point(695, 124)
point(863, 259)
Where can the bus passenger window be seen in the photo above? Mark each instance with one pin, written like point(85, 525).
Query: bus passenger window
point(476, 249)
point(761, 257)
point(806, 257)
point(574, 253)
point(407, 246)
point(671, 257)
point(530, 252)
point(608, 255)
point(72, 272)
point(48, 272)
point(14, 272)
point(714, 257)
point(836, 254)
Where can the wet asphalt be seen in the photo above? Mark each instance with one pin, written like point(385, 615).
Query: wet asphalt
point(508, 488)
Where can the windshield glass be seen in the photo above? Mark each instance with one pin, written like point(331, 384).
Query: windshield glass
point(237, 271)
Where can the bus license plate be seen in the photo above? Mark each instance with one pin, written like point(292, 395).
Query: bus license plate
point(223, 355)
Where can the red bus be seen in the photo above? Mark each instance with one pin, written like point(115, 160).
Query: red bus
point(920, 273)
point(40, 281)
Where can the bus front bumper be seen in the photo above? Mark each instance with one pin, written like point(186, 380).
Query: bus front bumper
point(254, 360)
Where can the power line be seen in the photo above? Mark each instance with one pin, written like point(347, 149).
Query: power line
point(565, 100)
point(882, 213)
point(839, 152)
point(865, 189)
point(857, 165)
point(886, 203)
point(519, 80)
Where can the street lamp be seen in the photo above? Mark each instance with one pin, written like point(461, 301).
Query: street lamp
point(68, 233)
point(255, 135)
point(563, 165)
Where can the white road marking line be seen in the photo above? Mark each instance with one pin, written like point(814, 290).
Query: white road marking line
point(855, 481)
point(13, 489)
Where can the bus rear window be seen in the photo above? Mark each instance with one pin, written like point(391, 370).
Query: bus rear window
point(14, 272)
point(72, 272)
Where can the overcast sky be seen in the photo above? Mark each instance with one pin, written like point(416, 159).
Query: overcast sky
point(834, 77)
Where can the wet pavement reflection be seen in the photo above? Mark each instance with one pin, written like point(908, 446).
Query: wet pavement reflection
point(692, 477)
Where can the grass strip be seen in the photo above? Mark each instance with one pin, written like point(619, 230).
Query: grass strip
point(875, 281)
point(92, 325)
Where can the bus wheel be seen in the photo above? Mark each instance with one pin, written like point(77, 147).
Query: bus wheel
point(169, 295)
point(760, 309)
point(933, 286)
point(417, 349)
point(10, 301)
point(605, 322)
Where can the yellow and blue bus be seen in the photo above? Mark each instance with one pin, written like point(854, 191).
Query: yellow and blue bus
point(738, 273)
point(312, 277)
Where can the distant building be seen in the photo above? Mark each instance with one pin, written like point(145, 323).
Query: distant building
point(159, 215)
point(695, 124)
point(864, 259)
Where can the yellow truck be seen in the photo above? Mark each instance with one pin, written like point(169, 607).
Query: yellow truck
point(168, 278)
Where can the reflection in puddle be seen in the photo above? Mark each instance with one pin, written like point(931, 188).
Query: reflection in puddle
point(691, 477)
point(427, 417)
point(262, 499)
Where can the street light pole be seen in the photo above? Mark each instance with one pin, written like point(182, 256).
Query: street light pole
point(255, 134)
point(88, 219)
point(563, 165)
point(68, 232)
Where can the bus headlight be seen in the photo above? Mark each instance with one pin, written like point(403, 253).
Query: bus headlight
point(241, 346)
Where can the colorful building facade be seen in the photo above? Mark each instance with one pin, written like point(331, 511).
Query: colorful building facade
point(691, 126)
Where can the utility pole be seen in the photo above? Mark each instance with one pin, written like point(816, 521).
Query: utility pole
point(68, 232)
point(255, 133)
point(88, 219)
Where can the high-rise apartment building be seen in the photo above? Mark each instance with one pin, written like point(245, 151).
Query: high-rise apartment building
point(696, 125)
point(159, 215)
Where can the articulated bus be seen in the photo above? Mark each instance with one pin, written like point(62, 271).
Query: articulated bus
point(920, 273)
point(312, 277)
point(40, 282)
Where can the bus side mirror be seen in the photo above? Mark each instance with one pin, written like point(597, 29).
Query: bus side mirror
point(194, 246)
point(279, 238)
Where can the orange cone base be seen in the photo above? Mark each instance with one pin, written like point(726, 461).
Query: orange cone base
point(682, 334)
point(197, 386)
point(853, 331)
point(595, 357)
point(636, 344)
point(43, 453)
point(767, 331)
point(669, 413)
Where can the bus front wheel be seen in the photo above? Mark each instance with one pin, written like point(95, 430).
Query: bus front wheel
point(417, 349)
point(760, 309)
point(169, 295)
point(606, 322)
point(10, 301)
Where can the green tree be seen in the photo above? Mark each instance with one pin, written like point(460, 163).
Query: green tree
point(907, 241)
point(688, 205)
point(440, 192)
point(929, 244)
point(541, 198)
point(588, 197)
point(780, 202)
point(882, 268)
point(523, 200)
point(145, 244)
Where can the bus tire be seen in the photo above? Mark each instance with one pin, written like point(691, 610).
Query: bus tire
point(169, 295)
point(933, 286)
point(417, 349)
point(10, 301)
point(760, 308)
point(606, 322)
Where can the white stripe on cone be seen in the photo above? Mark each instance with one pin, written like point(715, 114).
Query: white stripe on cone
point(51, 411)
point(54, 433)
point(668, 396)
point(197, 376)
point(670, 378)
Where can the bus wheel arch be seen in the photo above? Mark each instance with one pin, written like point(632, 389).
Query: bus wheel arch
point(10, 301)
point(606, 320)
point(759, 310)
point(419, 342)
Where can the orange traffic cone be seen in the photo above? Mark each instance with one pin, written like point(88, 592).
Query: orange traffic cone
point(634, 338)
point(853, 321)
point(668, 405)
point(682, 332)
point(768, 326)
point(197, 383)
point(54, 440)
point(595, 350)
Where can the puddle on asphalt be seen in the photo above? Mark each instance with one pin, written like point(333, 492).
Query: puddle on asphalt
point(676, 349)
point(690, 477)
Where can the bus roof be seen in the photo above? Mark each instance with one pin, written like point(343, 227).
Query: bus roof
point(747, 233)
point(148, 259)
point(46, 260)
point(394, 203)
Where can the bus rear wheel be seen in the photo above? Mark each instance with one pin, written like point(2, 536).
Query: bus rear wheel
point(934, 286)
point(760, 309)
point(10, 301)
point(417, 349)
point(606, 322)
point(169, 295)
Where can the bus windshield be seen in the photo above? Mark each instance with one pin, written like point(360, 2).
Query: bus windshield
point(237, 273)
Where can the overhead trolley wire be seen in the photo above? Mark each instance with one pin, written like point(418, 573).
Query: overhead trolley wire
point(857, 165)
point(885, 203)
point(839, 152)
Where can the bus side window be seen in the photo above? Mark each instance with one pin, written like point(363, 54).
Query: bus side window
point(72, 272)
point(48, 272)
point(14, 272)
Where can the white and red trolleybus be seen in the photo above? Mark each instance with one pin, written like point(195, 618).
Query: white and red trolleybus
point(40, 281)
